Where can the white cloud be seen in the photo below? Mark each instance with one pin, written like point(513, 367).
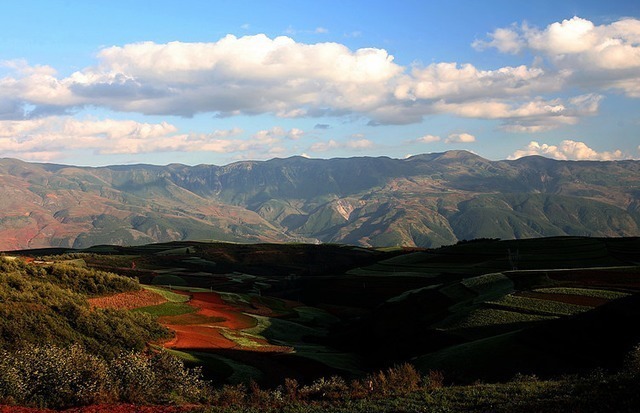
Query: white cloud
point(427, 139)
point(359, 144)
point(325, 146)
point(568, 150)
point(505, 40)
point(260, 75)
point(354, 143)
point(595, 56)
point(52, 138)
point(464, 82)
point(460, 138)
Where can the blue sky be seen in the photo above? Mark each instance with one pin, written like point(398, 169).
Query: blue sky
point(108, 82)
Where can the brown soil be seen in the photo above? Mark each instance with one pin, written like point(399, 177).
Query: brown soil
point(129, 300)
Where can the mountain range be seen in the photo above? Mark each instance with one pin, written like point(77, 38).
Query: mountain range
point(425, 200)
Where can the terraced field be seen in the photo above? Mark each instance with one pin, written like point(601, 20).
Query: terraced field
point(264, 312)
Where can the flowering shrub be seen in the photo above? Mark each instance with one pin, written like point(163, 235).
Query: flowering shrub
point(54, 376)
point(61, 377)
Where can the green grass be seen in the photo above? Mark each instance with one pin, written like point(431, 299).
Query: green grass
point(283, 331)
point(489, 284)
point(218, 368)
point(168, 279)
point(537, 306)
point(168, 295)
point(586, 292)
point(484, 322)
point(315, 316)
point(347, 362)
point(167, 309)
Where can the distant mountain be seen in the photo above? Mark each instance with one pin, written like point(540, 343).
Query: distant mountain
point(425, 200)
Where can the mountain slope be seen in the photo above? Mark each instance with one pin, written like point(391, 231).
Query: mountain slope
point(425, 200)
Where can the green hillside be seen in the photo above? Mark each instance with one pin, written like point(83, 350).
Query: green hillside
point(425, 200)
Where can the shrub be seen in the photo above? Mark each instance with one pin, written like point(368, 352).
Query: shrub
point(632, 361)
point(433, 380)
point(400, 379)
point(62, 377)
point(230, 395)
point(54, 377)
point(333, 388)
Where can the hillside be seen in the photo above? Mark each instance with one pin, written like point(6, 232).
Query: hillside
point(425, 200)
point(484, 325)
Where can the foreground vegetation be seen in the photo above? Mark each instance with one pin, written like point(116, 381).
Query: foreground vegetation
point(59, 377)
point(487, 325)
point(58, 351)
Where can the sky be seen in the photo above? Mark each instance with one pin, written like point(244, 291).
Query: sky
point(214, 82)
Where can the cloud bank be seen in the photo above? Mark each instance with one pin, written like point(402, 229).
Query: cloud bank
point(568, 150)
point(50, 138)
point(261, 75)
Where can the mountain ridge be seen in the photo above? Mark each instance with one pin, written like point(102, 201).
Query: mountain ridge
point(425, 200)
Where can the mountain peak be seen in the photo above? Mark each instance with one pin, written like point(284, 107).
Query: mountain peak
point(460, 155)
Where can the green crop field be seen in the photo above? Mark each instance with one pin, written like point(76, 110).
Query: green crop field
point(537, 306)
point(167, 309)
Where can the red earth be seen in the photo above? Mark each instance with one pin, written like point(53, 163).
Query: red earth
point(203, 330)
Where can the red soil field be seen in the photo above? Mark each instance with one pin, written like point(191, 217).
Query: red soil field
point(129, 300)
point(202, 330)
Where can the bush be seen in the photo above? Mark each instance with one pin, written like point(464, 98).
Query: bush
point(333, 388)
point(54, 377)
point(400, 379)
point(62, 377)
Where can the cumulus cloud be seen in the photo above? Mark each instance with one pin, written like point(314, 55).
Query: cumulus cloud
point(456, 82)
point(261, 75)
point(506, 40)
point(56, 135)
point(325, 146)
point(568, 150)
point(426, 139)
point(590, 55)
point(246, 75)
point(355, 143)
point(47, 139)
point(460, 138)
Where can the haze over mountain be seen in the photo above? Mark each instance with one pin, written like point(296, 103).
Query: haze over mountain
point(425, 200)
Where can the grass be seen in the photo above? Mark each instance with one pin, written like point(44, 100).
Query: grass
point(315, 316)
point(283, 331)
point(483, 358)
point(484, 322)
point(347, 362)
point(243, 338)
point(586, 292)
point(167, 309)
point(537, 306)
point(168, 279)
point(489, 284)
point(168, 295)
point(219, 368)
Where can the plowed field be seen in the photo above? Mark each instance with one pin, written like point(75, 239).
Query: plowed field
point(129, 300)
